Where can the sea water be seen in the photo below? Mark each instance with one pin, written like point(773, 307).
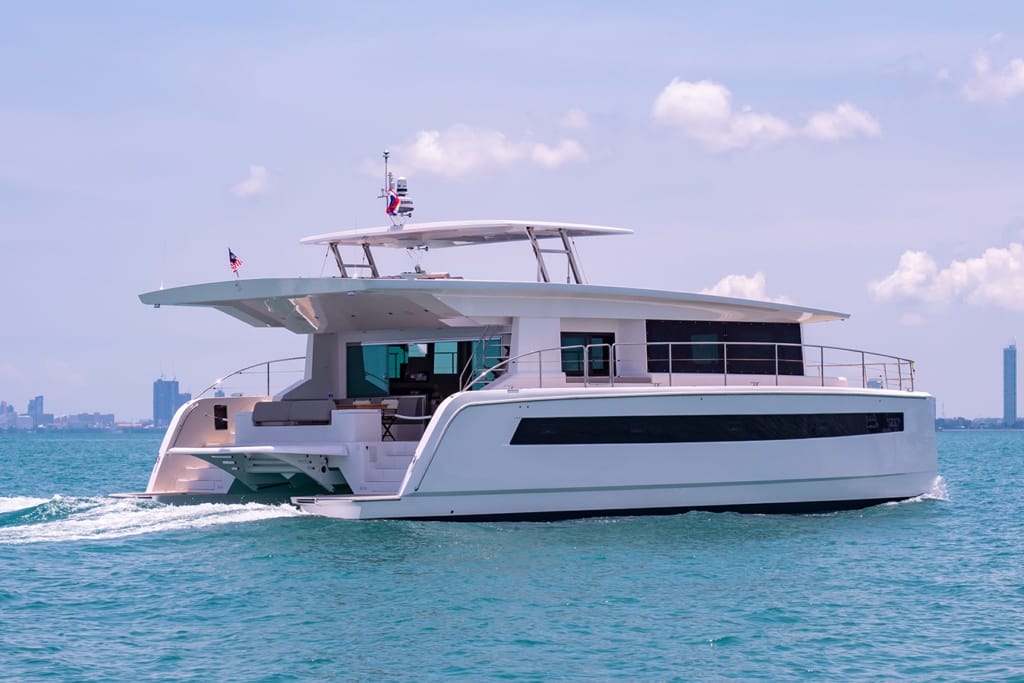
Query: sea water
point(99, 589)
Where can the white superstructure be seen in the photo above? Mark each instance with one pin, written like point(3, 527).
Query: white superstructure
point(428, 396)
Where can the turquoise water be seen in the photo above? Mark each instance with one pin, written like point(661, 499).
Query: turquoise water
point(94, 589)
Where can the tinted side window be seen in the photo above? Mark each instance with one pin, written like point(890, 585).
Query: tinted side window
point(701, 347)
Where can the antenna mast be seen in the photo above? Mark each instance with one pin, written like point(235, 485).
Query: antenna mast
point(388, 185)
point(395, 194)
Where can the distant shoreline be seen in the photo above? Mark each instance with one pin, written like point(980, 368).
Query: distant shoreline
point(82, 430)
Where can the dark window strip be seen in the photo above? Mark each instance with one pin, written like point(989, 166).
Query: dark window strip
point(706, 353)
point(700, 428)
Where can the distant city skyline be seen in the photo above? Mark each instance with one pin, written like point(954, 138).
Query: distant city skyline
point(167, 398)
point(33, 406)
point(34, 418)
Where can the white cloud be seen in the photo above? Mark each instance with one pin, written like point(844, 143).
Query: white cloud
point(996, 278)
point(942, 75)
point(553, 157)
point(744, 287)
point(461, 149)
point(747, 129)
point(257, 182)
point(845, 121)
point(994, 86)
point(703, 111)
point(575, 119)
point(996, 38)
point(911, 278)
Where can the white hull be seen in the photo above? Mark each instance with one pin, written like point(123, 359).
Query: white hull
point(760, 497)
point(466, 467)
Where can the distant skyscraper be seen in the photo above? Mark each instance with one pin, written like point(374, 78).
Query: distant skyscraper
point(166, 400)
point(1010, 385)
point(35, 410)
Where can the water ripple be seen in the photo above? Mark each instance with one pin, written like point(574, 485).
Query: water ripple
point(93, 588)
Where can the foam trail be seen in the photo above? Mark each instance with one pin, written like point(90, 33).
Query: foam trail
point(92, 519)
point(12, 503)
point(938, 491)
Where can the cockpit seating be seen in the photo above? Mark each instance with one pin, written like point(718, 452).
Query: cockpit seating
point(293, 412)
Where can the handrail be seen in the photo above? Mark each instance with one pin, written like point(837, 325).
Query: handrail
point(466, 368)
point(728, 360)
point(240, 371)
point(484, 357)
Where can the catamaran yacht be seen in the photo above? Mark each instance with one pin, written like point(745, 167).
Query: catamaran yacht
point(427, 396)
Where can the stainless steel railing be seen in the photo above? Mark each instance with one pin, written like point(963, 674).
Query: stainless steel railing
point(265, 370)
point(758, 361)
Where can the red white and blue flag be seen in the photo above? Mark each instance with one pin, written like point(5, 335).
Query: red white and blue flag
point(393, 202)
point(234, 262)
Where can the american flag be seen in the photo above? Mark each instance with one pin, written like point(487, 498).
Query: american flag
point(234, 261)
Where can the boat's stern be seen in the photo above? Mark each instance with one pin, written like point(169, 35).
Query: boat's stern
point(243, 449)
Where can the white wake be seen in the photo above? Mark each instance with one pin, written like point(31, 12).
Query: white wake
point(938, 491)
point(62, 519)
point(12, 503)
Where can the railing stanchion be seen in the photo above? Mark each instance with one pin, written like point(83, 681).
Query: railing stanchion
point(725, 364)
point(670, 345)
point(586, 365)
point(612, 369)
point(821, 364)
point(776, 365)
point(863, 372)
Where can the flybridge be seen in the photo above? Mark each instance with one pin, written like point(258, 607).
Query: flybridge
point(400, 235)
point(462, 233)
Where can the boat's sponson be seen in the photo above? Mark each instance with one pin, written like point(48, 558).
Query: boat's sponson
point(542, 454)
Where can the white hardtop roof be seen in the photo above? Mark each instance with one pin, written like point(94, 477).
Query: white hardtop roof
point(458, 233)
point(328, 304)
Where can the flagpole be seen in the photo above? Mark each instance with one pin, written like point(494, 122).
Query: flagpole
point(387, 185)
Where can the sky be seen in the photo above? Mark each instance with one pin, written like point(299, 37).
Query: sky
point(858, 157)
